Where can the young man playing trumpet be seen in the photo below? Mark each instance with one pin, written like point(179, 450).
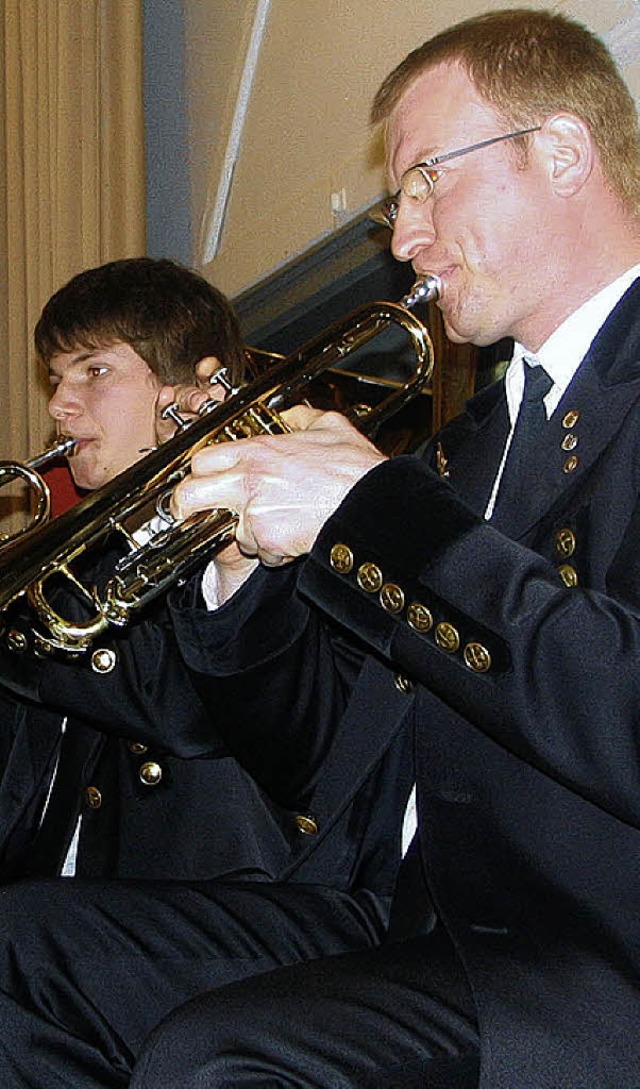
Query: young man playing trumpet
point(139, 790)
point(82, 793)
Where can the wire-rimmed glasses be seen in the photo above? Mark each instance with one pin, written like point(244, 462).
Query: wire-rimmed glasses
point(418, 182)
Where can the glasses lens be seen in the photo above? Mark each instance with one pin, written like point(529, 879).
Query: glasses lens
point(418, 183)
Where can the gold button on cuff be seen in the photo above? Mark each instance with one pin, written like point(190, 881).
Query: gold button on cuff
point(419, 617)
point(477, 657)
point(137, 747)
point(565, 542)
point(306, 825)
point(150, 773)
point(103, 660)
point(568, 574)
point(341, 559)
point(571, 464)
point(17, 641)
point(447, 637)
point(570, 418)
point(392, 598)
point(94, 797)
point(403, 684)
point(369, 578)
point(569, 442)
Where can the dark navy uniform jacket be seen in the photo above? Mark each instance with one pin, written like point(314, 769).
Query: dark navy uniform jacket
point(144, 811)
point(516, 661)
point(159, 792)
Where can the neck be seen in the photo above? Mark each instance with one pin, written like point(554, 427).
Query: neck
point(592, 260)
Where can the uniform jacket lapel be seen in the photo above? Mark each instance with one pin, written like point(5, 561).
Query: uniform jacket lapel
point(483, 425)
point(590, 414)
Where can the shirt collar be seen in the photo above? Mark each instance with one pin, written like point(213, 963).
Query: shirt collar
point(563, 352)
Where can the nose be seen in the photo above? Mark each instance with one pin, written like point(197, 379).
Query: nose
point(413, 230)
point(63, 404)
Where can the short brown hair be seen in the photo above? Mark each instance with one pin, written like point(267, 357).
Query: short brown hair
point(528, 65)
point(170, 315)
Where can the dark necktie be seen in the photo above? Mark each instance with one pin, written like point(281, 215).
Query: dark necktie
point(519, 473)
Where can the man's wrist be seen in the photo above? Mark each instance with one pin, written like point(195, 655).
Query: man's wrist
point(221, 581)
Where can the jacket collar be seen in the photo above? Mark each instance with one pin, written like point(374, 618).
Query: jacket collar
point(604, 389)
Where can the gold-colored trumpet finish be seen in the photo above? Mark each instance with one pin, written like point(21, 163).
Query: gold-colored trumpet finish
point(28, 472)
point(171, 553)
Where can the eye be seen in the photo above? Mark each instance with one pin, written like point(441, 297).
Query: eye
point(97, 370)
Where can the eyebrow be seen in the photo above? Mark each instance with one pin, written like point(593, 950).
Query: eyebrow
point(81, 357)
point(429, 154)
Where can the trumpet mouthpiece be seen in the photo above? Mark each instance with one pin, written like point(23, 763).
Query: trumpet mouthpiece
point(424, 290)
point(63, 447)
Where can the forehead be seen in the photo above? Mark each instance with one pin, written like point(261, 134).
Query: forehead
point(439, 111)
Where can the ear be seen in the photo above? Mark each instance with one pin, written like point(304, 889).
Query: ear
point(570, 152)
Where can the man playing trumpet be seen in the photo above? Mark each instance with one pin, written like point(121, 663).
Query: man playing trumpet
point(494, 583)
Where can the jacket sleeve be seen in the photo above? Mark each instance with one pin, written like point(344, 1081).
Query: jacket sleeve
point(278, 674)
point(549, 672)
point(132, 684)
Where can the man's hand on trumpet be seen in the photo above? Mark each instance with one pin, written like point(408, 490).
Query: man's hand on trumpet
point(283, 487)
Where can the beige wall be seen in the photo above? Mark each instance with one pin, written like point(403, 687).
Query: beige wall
point(305, 134)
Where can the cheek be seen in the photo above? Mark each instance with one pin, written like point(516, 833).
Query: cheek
point(132, 413)
point(141, 426)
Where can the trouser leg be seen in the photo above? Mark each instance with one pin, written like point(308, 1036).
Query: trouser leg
point(88, 969)
point(398, 1016)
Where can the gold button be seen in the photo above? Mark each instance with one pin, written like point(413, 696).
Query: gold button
point(569, 442)
point(369, 577)
point(565, 542)
point(94, 797)
point(150, 773)
point(41, 646)
point(447, 637)
point(419, 617)
point(571, 464)
point(341, 559)
point(403, 684)
point(568, 574)
point(570, 418)
point(477, 657)
point(136, 747)
point(103, 660)
point(392, 598)
point(306, 825)
point(17, 641)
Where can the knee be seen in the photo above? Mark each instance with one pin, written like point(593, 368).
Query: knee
point(208, 1042)
point(170, 1059)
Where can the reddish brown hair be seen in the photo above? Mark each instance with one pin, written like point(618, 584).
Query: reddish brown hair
point(529, 65)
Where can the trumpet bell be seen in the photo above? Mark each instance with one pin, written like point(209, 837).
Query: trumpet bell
point(29, 473)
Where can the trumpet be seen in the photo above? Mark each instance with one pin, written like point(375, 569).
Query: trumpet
point(173, 552)
point(28, 471)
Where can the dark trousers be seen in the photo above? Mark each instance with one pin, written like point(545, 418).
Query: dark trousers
point(397, 1017)
point(87, 969)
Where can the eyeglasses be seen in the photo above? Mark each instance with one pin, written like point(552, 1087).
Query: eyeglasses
point(418, 182)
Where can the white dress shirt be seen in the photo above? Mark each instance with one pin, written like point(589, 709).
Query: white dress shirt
point(560, 355)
